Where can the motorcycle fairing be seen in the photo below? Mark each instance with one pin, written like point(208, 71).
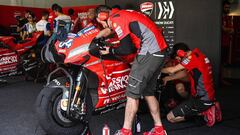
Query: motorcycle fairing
point(112, 75)
point(8, 62)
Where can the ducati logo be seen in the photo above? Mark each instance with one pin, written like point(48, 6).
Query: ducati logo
point(147, 8)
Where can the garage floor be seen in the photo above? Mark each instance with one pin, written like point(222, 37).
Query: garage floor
point(17, 116)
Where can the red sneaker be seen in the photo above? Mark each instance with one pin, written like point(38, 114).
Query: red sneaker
point(123, 132)
point(218, 112)
point(153, 132)
point(209, 116)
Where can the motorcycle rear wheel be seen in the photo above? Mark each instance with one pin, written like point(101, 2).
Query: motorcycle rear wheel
point(50, 117)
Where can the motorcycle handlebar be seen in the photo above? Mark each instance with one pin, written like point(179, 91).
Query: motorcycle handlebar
point(101, 42)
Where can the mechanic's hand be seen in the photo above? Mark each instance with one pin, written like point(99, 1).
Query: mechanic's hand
point(104, 23)
point(165, 80)
point(104, 50)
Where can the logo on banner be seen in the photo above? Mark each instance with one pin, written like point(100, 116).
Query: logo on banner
point(147, 8)
point(17, 13)
point(166, 10)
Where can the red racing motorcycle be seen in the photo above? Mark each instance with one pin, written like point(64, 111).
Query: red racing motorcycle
point(91, 84)
point(17, 57)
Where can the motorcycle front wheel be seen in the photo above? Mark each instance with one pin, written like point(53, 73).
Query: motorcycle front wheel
point(50, 116)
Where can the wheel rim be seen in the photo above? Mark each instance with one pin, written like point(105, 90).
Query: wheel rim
point(58, 115)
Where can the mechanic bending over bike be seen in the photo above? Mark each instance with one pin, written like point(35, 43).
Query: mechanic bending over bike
point(136, 32)
point(202, 100)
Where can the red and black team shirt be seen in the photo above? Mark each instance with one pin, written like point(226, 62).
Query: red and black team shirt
point(201, 75)
point(144, 33)
point(51, 18)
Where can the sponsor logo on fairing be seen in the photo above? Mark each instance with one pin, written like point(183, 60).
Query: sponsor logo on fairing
point(8, 60)
point(116, 84)
point(115, 98)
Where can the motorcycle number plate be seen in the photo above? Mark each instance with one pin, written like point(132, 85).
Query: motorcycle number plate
point(66, 44)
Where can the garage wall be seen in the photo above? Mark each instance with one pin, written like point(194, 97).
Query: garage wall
point(48, 3)
point(198, 23)
point(25, 3)
point(70, 3)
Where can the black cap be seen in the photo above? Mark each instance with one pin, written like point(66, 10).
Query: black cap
point(179, 46)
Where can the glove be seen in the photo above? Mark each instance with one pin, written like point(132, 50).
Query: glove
point(98, 40)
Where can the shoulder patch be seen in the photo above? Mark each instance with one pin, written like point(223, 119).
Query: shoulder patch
point(207, 60)
point(119, 31)
point(185, 61)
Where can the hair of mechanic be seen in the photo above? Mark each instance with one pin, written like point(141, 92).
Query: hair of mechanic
point(31, 14)
point(103, 8)
point(59, 9)
point(45, 13)
point(179, 46)
point(54, 6)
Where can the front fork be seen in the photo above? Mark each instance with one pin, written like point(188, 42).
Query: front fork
point(77, 103)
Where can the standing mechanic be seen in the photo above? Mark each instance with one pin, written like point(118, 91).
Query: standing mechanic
point(52, 15)
point(202, 101)
point(136, 30)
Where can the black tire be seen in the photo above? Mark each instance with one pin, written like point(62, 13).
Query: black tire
point(51, 122)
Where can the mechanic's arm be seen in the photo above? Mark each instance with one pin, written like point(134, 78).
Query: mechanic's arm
point(172, 70)
point(104, 33)
point(179, 75)
point(126, 47)
point(126, 44)
point(24, 35)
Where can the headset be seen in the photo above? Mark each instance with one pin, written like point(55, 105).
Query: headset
point(103, 16)
point(181, 53)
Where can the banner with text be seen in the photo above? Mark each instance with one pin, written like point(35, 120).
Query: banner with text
point(162, 12)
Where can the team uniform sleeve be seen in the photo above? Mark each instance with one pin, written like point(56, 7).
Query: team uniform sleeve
point(51, 20)
point(120, 27)
point(126, 47)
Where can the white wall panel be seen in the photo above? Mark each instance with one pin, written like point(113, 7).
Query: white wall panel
point(48, 3)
